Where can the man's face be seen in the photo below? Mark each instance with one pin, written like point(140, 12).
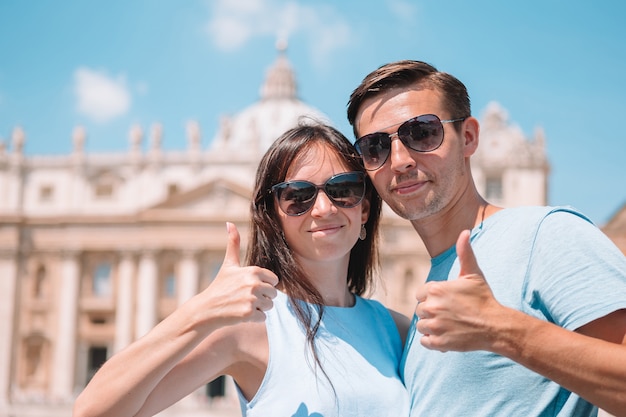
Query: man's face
point(415, 184)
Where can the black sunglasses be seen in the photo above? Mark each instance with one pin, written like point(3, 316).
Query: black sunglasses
point(422, 134)
point(295, 198)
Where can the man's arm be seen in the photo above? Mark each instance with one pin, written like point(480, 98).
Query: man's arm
point(463, 315)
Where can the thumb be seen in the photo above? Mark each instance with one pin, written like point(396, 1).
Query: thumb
point(233, 246)
point(467, 259)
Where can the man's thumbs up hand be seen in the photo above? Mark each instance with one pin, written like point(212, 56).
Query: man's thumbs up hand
point(456, 314)
point(467, 259)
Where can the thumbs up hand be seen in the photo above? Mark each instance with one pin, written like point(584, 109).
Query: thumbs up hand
point(238, 294)
point(457, 315)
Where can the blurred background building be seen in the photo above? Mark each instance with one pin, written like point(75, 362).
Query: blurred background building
point(95, 249)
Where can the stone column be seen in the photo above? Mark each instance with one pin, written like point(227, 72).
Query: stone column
point(15, 178)
point(147, 293)
point(65, 348)
point(188, 284)
point(76, 192)
point(187, 287)
point(8, 286)
point(124, 303)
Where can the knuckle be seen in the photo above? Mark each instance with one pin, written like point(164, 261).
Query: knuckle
point(436, 288)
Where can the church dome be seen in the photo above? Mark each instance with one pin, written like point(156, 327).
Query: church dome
point(279, 109)
point(503, 143)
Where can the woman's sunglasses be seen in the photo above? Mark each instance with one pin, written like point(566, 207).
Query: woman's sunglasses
point(422, 134)
point(295, 198)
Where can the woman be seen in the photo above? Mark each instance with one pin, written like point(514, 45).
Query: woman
point(292, 330)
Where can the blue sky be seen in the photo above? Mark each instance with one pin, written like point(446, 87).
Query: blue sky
point(108, 65)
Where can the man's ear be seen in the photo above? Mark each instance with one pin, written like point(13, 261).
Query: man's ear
point(470, 132)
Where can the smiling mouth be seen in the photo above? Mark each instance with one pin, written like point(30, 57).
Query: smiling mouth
point(326, 228)
point(407, 188)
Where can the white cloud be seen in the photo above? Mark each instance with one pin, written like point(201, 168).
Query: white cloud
point(403, 10)
point(327, 32)
point(234, 23)
point(229, 33)
point(100, 97)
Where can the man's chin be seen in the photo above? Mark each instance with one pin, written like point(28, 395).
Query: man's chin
point(406, 213)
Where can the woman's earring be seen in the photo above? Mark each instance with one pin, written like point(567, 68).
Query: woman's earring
point(363, 233)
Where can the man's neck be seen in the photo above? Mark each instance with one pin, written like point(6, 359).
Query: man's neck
point(440, 231)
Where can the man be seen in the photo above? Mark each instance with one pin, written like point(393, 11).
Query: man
point(540, 328)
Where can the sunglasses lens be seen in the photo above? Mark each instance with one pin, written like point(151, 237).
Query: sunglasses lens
point(295, 197)
point(374, 149)
point(422, 133)
point(346, 190)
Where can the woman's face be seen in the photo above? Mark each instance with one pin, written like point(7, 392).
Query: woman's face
point(326, 232)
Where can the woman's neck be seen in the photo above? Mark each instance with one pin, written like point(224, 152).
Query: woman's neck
point(331, 281)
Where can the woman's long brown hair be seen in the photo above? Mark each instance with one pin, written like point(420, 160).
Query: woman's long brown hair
point(267, 246)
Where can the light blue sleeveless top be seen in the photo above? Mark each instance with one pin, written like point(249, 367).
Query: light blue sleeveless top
point(359, 348)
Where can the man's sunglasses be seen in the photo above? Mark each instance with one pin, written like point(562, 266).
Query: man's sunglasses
point(295, 198)
point(422, 134)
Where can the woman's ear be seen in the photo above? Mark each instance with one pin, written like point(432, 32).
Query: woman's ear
point(365, 210)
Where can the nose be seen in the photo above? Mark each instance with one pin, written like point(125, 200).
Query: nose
point(322, 206)
point(400, 155)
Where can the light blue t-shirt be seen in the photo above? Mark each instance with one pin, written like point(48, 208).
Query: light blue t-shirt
point(360, 350)
point(551, 263)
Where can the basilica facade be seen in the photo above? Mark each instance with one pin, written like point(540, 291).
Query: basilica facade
point(95, 249)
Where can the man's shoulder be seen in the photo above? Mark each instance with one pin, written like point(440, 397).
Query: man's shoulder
point(538, 213)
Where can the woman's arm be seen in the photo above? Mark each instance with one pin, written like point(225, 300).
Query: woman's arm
point(201, 335)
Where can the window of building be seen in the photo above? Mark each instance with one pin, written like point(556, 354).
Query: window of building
point(210, 265)
point(102, 280)
point(217, 387)
point(168, 287)
point(493, 188)
point(46, 193)
point(408, 278)
point(33, 351)
point(39, 285)
point(104, 190)
point(172, 189)
point(105, 185)
point(31, 372)
point(96, 357)
point(97, 320)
